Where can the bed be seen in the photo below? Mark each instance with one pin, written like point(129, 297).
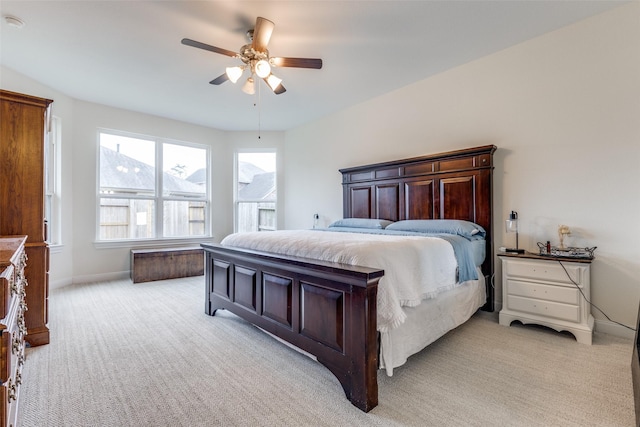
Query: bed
point(330, 306)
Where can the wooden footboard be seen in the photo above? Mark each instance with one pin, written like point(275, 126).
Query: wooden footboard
point(325, 309)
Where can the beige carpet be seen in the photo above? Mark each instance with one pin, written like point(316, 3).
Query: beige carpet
point(147, 355)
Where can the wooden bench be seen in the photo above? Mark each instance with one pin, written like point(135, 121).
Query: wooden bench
point(166, 263)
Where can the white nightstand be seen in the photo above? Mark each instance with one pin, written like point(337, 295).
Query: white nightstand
point(537, 289)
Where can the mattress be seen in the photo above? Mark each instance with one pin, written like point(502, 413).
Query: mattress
point(442, 314)
point(415, 267)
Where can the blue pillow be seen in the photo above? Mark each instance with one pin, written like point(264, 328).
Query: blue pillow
point(361, 223)
point(459, 227)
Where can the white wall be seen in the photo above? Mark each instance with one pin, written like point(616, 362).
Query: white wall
point(564, 112)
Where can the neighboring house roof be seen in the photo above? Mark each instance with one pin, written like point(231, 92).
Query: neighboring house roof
point(246, 172)
point(263, 187)
point(123, 173)
point(198, 177)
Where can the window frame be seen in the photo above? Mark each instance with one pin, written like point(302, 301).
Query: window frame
point(53, 183)
point(158, 198)
point(237, 202)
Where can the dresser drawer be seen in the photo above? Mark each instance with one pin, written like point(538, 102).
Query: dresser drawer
point(12, 343)
point(562, 294)
point(9, 393)
point(544, 270)
point(544, 308)
point(7, 282)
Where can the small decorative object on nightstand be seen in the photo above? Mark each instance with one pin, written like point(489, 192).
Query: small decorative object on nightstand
point(563, 231)
point(547, 291)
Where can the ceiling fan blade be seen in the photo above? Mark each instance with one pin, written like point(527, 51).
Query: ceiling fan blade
point(297, 62)
point(278, 89)
point(220, 79)
point(261, 34)
point(208, 47)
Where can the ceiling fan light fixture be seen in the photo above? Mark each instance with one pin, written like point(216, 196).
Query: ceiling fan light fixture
point(263, 69)
point(234, 73)
point(249, 86)
point(273, 81)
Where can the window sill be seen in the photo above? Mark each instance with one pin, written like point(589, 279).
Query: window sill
point(114, 244)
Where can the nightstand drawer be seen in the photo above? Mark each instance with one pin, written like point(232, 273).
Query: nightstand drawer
point(562, 294)
point(551, 271)
point(544, 308)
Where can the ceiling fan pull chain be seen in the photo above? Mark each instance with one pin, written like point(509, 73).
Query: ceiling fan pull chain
point(259, 111)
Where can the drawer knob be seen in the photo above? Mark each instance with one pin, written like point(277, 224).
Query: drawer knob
point(15, 347)
point(12, 390)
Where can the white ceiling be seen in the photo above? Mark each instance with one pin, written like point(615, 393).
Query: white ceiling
point(128, 54)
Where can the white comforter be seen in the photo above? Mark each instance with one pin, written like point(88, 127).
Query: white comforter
point(415, 267)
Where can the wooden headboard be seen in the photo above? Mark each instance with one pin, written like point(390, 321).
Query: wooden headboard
point(452, 185)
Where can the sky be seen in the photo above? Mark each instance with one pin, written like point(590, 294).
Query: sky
point(265, 161)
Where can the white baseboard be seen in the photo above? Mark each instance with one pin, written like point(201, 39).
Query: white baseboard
point(55, 284)
point(611, 328)
point(90, 278)
point(103, 277)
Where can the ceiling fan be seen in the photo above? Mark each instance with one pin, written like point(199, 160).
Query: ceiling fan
point(256, 59)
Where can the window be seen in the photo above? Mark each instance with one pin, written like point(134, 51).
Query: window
point(152, 188)
point(255, 192)
point(52, 171)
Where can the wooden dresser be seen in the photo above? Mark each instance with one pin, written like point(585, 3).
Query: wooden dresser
point(13, 329)
point(23, 121)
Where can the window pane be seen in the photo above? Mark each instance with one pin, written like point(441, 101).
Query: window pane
point(151, 188)
point(126, 219)
point(127, 165)
point(184, 218)
point(256, 176)
point(52, 182)
point(256, 192)
point(256, 216)
point(48, 209)
point(184, 171)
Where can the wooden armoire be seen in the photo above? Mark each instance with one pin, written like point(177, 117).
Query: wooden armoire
point(23, 122)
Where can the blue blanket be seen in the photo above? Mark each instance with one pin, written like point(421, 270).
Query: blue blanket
point(461, 247)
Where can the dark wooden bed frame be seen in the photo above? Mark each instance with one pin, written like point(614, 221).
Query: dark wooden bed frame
point(329, 309)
